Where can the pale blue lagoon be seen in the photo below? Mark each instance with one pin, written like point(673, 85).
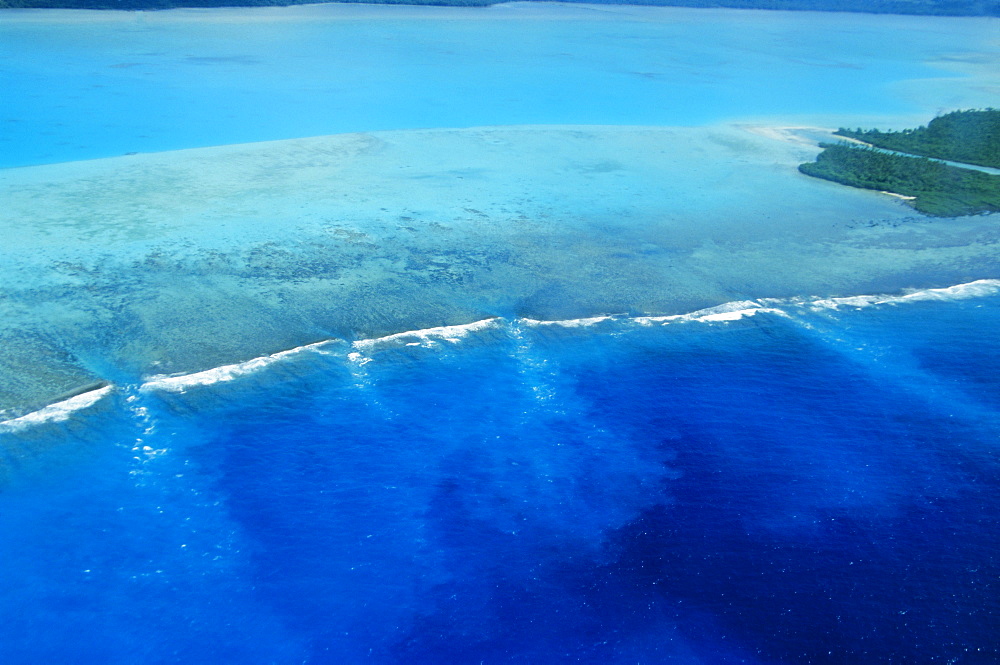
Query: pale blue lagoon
point(84, 85)
point(345, 334)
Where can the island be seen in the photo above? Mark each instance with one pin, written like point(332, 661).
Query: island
point(911, 163)
point(971, 136)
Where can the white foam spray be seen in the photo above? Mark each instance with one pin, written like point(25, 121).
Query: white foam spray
point(358, 355)
point(180, 383)
point(58, 411)
point(976, 289)
point(425, 337)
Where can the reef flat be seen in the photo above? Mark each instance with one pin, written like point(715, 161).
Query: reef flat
point(121, 268)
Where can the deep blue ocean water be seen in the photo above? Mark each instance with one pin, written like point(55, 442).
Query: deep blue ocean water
point(816, 487)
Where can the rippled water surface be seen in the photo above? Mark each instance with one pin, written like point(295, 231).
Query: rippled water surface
point(790, 483)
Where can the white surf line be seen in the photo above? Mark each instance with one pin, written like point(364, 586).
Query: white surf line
point(726, 312)
point(57, 412)
point(181, 382)
point(427, 336)
point(738, 309)
point(730, 311)
point(568, 323)
point(976, 289)
point(224, 373)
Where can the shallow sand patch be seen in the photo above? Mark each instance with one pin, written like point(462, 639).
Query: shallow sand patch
point(802, 135)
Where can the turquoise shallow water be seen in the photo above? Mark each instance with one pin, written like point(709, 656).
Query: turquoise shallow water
point(181, 261)
point(81, 86)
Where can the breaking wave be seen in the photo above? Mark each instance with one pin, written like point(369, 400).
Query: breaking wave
point(361, 351)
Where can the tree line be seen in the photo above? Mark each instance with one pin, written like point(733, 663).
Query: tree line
point(939, 189)
point(971, 137)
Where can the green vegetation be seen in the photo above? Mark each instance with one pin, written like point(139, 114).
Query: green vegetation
point(923, 7)
point(971, 137)
point(939, 189)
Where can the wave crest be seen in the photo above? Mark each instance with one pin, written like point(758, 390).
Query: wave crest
point(58, 411)
point(180, 383)
point(429, 337)
point(977, 289)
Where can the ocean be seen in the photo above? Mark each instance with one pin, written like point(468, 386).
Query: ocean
point(799, 481)
point(656, 409)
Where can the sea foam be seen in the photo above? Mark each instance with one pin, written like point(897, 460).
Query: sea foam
point(730, 311)
point(180, 383)
point(429, 337)
point(57, 412)
point(567, 323)
point(977, 289)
